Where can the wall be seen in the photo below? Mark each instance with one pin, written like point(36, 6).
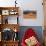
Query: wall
point(27, 5)
point(33, 5)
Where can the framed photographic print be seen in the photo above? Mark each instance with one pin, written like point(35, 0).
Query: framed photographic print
point(13, 12)
point(29, 14)
point(5, 12)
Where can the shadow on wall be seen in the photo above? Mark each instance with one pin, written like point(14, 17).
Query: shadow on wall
point(37, 29)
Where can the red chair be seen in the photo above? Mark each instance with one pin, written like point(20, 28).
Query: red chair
point(29, 33)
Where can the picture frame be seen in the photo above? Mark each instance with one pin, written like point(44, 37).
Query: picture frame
point(28, 14)
point(13, 12)
point(5, 12)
